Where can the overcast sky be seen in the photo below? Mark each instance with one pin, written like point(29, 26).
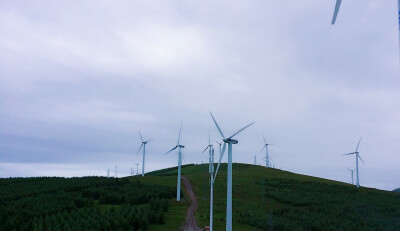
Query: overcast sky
point(79, 79)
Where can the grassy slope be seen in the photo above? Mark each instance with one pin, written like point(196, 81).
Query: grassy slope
point(296, 201)
point(177, 210)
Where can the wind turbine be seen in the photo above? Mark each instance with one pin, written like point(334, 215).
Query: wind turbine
point(144, 150)
point(266, 153)
point(255, 159)
point(337, 7)
point(229, 141)
point(137, 169)
point(357, 157)
point(179, 146)
point(352, 171)
point(211, 171)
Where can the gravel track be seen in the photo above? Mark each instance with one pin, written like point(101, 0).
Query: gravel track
point(190, 222)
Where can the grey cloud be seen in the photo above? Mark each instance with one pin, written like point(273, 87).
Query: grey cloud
point(78, 81)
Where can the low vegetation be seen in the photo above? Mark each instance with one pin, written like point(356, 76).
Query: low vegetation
point(87, 203)
point(263, 199)
point(272, 199)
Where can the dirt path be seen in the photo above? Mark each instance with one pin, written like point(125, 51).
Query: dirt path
point(190, 222)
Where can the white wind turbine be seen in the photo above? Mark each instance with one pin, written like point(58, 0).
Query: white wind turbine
point(267, 158)
point(229, 141)
point(352, 171)
point(357, 157)
point(337, 7)
point(211, 171)
point(179, 146)
point(144, 150)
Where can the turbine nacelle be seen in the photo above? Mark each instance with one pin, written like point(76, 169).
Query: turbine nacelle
point(180, 146)
point(231, 141)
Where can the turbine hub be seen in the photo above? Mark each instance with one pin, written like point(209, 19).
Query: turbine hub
point(231, 141)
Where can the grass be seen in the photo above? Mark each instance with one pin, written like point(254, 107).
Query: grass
point(263, 199)
point(176, 214)
point(266, 199)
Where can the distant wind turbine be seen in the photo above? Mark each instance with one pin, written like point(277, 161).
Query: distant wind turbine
point(144, 150)
point(179, 146)
point(229, 141)
point(357, 157)
point(267, 159)
point(255, 159)
point(352, 171)
point(211, 171)
point(137, 169)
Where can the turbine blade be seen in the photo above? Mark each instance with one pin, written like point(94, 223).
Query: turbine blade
point(220, 158)
point(209, 139)
point(358, 144)
point(265, 142)
point(206, 148)
point(337, 7)
point(216, 124)
point(140, 148)
point(140, 136)
point(234, 134)
point(361, 158)
point(148, 141)
point(352, 153)
point(179, 137)
point(263, 148)
point(171, 150)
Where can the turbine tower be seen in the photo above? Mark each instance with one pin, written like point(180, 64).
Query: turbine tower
point(179, 146)
point(266, 153)
point(357, 157)
point(255, 160)
point(352, 171)
point(211, 171)
point(144, 150)
point(229, 141)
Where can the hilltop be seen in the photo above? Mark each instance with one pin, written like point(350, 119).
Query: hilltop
point(272, 199)
point(396, 190)
point(263, 199)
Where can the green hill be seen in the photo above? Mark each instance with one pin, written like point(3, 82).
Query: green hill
point(263, 199)
point(271, 199)
point(396, 190)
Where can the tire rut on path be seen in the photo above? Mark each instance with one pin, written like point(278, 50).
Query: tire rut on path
point(190, 222)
